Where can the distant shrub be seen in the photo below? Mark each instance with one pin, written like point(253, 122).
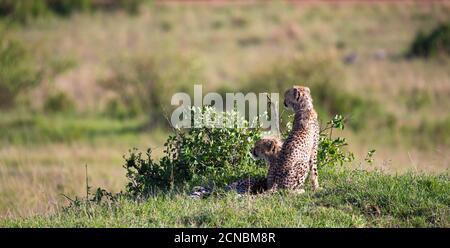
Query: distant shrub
point(439, 131)
point(59, 102)
point(166, 25)
point(323, 75)
point(417, 98)
point(217, 24)
point(61, 64)
point(429, 134)
point(239, 21)
point(144, 84)
point(17, 71)
point(131, 6)
point(115, 108)
point(437, 42)
point(25, 10)
point(251, 40)
point(66, 7)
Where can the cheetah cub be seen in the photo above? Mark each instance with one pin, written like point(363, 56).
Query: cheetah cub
point(298, 155)
point(267, 149)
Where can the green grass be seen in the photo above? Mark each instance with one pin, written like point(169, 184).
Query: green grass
point(40, 129)
point(353, 198)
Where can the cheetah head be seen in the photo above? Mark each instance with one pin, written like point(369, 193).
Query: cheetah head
point(298, 98)
point(266, 148)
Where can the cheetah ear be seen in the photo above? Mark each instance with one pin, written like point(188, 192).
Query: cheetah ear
point(308, 90)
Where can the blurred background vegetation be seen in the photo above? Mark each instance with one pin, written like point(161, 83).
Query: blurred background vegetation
point(82, 81)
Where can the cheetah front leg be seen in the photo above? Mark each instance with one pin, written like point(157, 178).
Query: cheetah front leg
point(313, 168)
point(301, 176)
point(272, 187)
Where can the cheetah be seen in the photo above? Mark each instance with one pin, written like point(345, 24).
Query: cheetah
point(267, 149)
point(298, 154)
point(242, 186)
point(248, 185)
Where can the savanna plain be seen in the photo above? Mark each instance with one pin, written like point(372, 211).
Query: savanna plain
point(82, 85)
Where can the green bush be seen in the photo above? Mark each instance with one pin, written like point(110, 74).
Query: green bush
point(196, 156)
point(332, 151)
point(17, 71)
point(323, 76)
point(437, 42)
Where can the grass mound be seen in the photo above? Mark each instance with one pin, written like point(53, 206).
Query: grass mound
point(350, 198)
